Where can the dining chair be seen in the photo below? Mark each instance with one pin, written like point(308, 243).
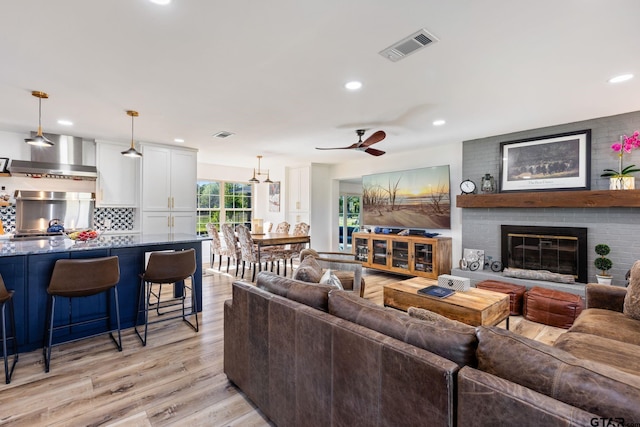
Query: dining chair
point(277, 252)
point(216, 244)
point(231, 249)
point(249, 252)
point(293, 251)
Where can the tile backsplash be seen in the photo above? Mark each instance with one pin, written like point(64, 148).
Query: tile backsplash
point(112, 219)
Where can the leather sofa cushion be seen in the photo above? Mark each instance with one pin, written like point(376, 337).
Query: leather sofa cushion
point(313, 295)
point(456, 343)
point(608, 324)
point(618, 354)
point(632, 300)
point(308, 271)
point(591, 386)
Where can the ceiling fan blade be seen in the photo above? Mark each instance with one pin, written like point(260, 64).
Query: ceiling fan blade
point(374, 152)
point(376, 137)
point(337, 148)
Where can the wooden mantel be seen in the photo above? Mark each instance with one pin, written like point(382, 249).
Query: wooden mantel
point(552, 199)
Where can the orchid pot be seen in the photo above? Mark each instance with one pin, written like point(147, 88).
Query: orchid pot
point(622, 178)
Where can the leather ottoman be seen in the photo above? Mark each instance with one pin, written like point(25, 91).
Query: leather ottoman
point(553, 308)
point(515, 292)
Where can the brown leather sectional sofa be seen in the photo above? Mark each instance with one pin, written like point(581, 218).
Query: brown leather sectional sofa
point(307, 355)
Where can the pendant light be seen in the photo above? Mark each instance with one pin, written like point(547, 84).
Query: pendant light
point(39, 139)
point(254, 180)
point(132, 152)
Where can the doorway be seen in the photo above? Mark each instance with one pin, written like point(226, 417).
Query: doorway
point(348, 220)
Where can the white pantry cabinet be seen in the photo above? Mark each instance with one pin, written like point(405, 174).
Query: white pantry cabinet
point(168, 189)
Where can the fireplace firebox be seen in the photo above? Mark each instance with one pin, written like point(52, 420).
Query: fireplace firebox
point(557, 249)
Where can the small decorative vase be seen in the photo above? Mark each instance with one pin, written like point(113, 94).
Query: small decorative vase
point(622, 183)
point(604, 280)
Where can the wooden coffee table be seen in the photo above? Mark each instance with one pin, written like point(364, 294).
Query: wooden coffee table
point(474, 307)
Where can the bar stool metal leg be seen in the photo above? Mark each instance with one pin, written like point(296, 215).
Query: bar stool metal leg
point(8, 372)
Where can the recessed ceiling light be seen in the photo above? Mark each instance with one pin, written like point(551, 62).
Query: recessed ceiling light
point(621, 78)
point(438, 122)
point(354, 85)
point(178, 140)
point(161, 2)
point(65, 122)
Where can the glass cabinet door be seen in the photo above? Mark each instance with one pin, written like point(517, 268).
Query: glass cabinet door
point(379, 252)
point(361, 250)
point(423, 257)
point(400, 255)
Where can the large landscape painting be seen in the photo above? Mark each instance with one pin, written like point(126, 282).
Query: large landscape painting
point(416, 198)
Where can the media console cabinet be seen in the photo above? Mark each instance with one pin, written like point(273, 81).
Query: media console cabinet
point(409, 255)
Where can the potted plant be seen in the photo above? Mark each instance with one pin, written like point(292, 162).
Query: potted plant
point(622, 179)
point(603, 264)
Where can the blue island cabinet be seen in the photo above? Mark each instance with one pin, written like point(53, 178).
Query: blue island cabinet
point(28, 272)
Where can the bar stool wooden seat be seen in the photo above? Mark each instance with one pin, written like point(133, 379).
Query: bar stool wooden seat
point(6, 300)
point(77, 278)
point(167, 268)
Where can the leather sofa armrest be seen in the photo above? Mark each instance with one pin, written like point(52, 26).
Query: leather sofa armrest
point(346, 256)
point(605, 296)
point(345, 265)
point(484, 399)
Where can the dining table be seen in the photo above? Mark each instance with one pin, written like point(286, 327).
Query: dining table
point(276, 239)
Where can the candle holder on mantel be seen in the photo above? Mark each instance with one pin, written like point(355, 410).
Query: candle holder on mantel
point(488, 184)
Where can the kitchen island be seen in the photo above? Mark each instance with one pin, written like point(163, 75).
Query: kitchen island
point(26, 268)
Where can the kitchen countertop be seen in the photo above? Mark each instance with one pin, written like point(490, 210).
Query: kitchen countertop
point(48, 245)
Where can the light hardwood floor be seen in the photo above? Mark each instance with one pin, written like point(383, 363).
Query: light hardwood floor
point(177, 379)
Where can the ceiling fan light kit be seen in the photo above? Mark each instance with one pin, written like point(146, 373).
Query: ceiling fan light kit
point(363, 145)
point(39, 140)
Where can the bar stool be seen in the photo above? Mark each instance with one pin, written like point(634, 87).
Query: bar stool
point(75, 278)
point(6, 299)
point(170, 268)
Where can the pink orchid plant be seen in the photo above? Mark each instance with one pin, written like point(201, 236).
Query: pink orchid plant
point(627, 145)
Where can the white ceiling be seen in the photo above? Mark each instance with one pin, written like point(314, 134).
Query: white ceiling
point(273, 71)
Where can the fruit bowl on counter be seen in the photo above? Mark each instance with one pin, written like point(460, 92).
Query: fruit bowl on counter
point(84, 235)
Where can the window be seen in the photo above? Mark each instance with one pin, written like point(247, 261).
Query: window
point(235, 209)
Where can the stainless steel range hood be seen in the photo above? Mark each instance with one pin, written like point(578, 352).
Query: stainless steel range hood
point(70, 158)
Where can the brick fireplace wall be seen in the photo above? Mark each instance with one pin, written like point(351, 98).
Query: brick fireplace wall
point(617, 227)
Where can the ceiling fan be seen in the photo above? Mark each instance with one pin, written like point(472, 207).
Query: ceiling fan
point(363, 145)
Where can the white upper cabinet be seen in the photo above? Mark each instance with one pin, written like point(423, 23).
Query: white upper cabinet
point(117, 182)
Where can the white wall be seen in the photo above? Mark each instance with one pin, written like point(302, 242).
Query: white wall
point(447, 154)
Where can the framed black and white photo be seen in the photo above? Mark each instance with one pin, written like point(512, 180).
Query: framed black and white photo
point(4, 162)
point(548, 163)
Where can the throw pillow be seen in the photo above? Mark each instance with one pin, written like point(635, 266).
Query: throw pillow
point(308, 252)
point(329, 278)
point(631, 306)
point(308, 271)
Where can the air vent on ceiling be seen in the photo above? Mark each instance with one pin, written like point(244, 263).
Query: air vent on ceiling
point(223, 134)
point(408, 45)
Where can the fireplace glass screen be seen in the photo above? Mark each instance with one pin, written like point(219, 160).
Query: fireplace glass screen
point(556, 249)
point(534, 252)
